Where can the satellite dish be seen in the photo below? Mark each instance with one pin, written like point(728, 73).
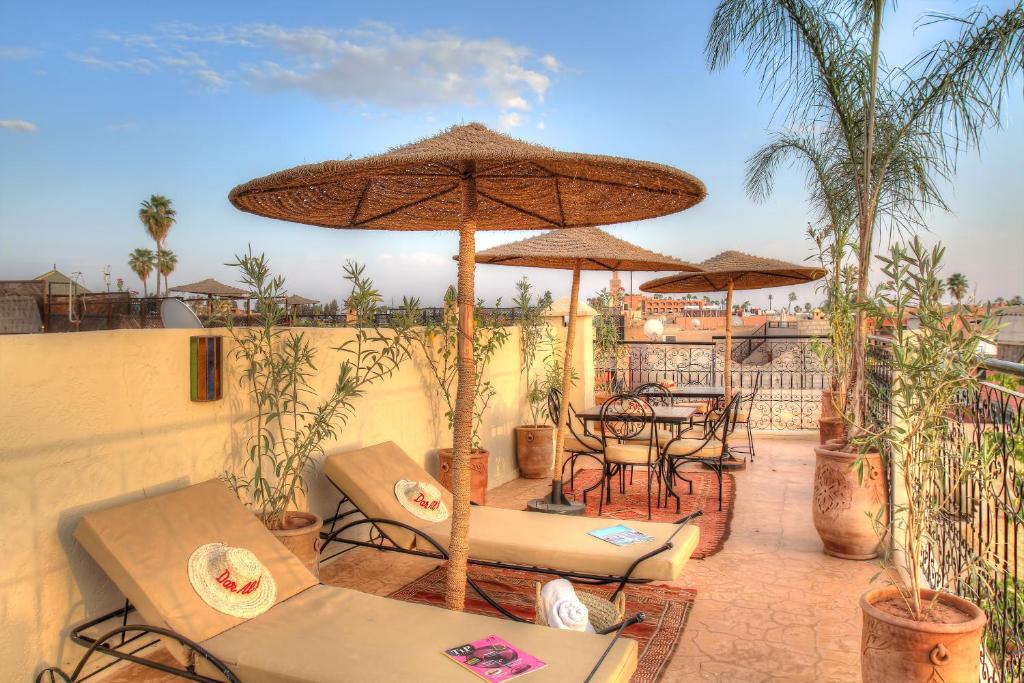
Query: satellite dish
point(695, 323)
point(654, 328)
point(177, 316)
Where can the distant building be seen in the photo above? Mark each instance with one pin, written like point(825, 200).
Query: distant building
point(59, 284)
point(1010, 338)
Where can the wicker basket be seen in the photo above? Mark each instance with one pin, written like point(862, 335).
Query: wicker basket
point(603, 613)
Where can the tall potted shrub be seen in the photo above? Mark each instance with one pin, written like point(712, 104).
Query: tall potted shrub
point(438, 341)
point(534, 443)
point(291, 421)
point(838, 286)
point(911, 632)
point(607, 346)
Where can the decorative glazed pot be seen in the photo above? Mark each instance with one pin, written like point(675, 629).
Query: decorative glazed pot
point(535, 451)
point(829, 428)
point(896, 648)
point(478, 459)
point(843, 507)
point(301, 536)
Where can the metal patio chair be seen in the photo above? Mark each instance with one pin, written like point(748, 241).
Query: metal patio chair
point(623, 418)
point(709, 450)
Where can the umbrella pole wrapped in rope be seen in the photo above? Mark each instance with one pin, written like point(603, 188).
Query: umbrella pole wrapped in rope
point(557, 495)
point(465, 396)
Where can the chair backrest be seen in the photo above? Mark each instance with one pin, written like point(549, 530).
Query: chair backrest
point(654, 393)
point(726, 422)
point(368, 476)
point(144, 547)
point(625, 416)
point(554, 403)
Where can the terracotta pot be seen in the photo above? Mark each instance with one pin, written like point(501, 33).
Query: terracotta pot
point(841, 505)
point(828, 409)
point(477, 473)
point(601, 396)
point(535, 451)
point(829, 429)
point(301, 535)
point(896, 648)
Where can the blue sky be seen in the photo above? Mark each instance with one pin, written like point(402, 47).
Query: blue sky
point(106, 103)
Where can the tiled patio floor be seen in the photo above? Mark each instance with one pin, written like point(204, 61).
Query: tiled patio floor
point(770, 606)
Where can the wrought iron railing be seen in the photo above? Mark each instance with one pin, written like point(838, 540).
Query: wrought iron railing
point(791, 375)
point(984, 525)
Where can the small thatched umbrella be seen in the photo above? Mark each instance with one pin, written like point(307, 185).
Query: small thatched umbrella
point(211, 288)
point(575, 250)
point(469, 178)
point(727, 272)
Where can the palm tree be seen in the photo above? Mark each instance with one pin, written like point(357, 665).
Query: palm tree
point(956, 284)
point(142, 262)
point(166, 261)
point(893, 132)
point(157, 216)
point(792, 300)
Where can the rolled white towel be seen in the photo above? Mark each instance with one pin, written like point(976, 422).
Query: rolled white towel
point(562, 608)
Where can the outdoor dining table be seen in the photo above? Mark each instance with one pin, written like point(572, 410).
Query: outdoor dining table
point(667, 415)
point(697, 391)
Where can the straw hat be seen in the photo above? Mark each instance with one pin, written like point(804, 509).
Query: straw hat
point(422, 499)
point(231, 580)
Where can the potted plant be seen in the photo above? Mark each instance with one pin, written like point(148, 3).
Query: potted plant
point(291, 422)
point(607, 344)
point(438, 341)
point(912, 632)
point(534, 441)
point(839, 287)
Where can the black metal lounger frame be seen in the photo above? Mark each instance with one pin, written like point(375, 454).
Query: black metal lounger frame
point(378, 539)
point(124, 650)
point(118, 644)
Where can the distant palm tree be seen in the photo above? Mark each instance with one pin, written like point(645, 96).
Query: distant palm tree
point(1016, 300)
point(166, 261)
point(792, 300)
point(142, 262)
point(957, 286)
point(157, 216)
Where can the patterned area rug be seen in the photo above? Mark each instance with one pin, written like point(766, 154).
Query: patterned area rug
point(714, 524)
point(667, 608)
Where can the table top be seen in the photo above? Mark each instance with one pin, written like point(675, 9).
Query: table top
point(697, 391)
point(662, 414)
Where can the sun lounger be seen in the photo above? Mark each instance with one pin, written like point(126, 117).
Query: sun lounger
point(498, 537)
point(313, 633)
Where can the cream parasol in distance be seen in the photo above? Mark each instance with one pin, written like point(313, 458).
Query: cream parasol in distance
point(469, 178)
point(575, 250)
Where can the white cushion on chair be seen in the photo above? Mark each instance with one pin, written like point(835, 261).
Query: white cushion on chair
point(630, 453)
point(584, 444)
point(686, 446)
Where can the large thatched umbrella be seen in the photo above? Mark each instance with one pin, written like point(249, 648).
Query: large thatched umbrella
point(469, 178)
point(212, 288)
point(575, 250)
point(727, 272)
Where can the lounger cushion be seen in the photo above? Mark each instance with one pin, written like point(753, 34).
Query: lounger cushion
point(368, 476)
point(335, 635)
point(144, 548)
point(562, 543)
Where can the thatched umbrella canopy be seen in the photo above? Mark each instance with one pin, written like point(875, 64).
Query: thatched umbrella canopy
point(729, 271)
point(212, 288)
point(296, 300)
point(469, 178)
point(576, 250)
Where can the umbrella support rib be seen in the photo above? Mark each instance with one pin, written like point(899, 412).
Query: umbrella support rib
point(557, 496)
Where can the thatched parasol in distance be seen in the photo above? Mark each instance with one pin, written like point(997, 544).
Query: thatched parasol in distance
point(575, 250)
point(212, 288)
point(727, 272)
point(469, 178)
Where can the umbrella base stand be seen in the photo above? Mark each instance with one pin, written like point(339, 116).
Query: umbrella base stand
point(555, 503)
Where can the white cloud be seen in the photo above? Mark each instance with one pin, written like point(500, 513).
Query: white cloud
point(551, 63)
point(18, 52)
point(540, 125)
point(373, 64)
point(18, 126)
point(510, 119)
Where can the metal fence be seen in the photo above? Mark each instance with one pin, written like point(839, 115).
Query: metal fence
point(984, 523)
point(792, 378)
